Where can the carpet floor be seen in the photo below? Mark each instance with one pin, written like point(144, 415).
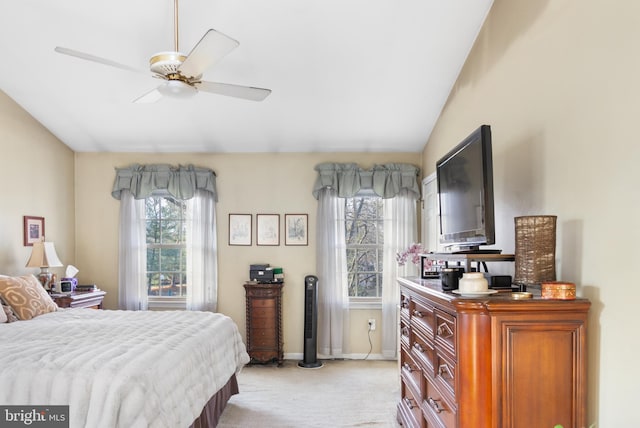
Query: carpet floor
point(342, 393)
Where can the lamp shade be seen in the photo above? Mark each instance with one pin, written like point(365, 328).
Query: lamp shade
point(43, 254)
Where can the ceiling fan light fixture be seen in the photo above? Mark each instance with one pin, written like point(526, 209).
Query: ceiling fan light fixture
point(177, 89)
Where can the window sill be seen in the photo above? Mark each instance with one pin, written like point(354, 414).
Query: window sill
point(167, 303)
point(362, 304)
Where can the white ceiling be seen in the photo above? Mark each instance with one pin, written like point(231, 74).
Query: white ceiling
point(346, 75)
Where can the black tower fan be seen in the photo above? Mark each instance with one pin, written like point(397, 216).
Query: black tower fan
point(310, 360)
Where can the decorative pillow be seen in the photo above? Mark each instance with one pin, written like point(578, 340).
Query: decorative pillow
point(11, 316)
point(26, 296)
point(3, 315)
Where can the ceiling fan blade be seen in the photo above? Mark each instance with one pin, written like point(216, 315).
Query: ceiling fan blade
point(97, 59)
point(245, 92)
point(149, 97)
point(210, 49)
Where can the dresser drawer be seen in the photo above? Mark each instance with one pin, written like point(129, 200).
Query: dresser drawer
point(411, 372)
point(262, 337)
point(263, 291)
point(263, 303)
point(405, 302)
point(445, 332)
point(438, 410)
point(409, 408)
point(405, 337)
point(263, 322)
point(422, 351)
point(422, 316)
point(264, 313)
point(445, 375)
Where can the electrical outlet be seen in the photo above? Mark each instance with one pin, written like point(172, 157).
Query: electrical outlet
point(372, 324)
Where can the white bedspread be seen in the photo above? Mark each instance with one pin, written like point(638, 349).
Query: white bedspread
point(120, 368)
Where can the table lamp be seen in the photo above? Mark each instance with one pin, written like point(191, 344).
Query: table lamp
point(43, 255)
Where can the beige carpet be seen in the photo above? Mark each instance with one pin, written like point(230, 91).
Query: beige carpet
point(340, 394)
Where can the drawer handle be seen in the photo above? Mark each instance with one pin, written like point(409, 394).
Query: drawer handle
point(409, 402)
point(417, 314)
point(444, 371)
point(444, 330)
point(434, 405)
point(418, 347)
point(405, 331)
point(408, 367)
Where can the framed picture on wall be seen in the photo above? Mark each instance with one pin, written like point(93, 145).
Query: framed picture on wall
point(33, 230)
point(268, 229)
point(240, 229)
point(296, 229)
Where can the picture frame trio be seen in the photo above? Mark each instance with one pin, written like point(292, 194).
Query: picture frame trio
point(296, 229)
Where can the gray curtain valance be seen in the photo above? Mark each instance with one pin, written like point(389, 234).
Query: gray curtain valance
point(180, 181)
point(385, 180)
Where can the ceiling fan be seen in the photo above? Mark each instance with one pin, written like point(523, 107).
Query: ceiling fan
point(183, 73)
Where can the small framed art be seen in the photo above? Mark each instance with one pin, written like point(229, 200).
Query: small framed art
point(268, 229)
point(296, 229)
point(240, 229)
point(33, 230)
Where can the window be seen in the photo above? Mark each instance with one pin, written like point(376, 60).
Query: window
point(364, 230)
point(166, 226)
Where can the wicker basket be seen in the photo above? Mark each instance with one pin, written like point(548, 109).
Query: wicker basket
point(535, 249)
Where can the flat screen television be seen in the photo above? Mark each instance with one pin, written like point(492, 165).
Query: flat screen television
point(465, 194)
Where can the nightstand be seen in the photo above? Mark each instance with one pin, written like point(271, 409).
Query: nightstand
point(89, 299)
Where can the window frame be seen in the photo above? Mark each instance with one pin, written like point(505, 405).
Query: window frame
point(160, 301)
point(368, 302)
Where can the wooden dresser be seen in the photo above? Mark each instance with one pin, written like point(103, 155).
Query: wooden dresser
point(264, 322)
point(492, 362)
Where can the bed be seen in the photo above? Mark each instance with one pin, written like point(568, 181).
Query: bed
point(123, 368)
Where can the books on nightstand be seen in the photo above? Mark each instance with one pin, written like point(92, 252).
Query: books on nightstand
point(86, 288)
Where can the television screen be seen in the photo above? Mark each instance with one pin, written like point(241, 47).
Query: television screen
point(465, 193)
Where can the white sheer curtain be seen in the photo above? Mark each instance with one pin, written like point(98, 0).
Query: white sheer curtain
point(398, 185)
point(333, 298)
point(202, 260)
point(400, 231)
point(132, 256)
point(202, 265)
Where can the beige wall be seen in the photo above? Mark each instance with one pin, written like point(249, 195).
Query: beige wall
point(43, 177)
point(558, 82)
point(36, 179)
point(247, 184)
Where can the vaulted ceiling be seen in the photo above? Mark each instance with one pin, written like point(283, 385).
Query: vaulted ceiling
point(349, 75)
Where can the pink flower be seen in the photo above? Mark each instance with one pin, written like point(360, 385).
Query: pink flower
point(412, 253)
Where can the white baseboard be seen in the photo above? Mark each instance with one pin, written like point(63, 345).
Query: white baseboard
point(300, 356)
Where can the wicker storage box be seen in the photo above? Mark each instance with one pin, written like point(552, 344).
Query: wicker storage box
point(535, 249)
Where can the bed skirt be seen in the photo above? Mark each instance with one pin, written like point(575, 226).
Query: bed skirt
point(214, 407)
